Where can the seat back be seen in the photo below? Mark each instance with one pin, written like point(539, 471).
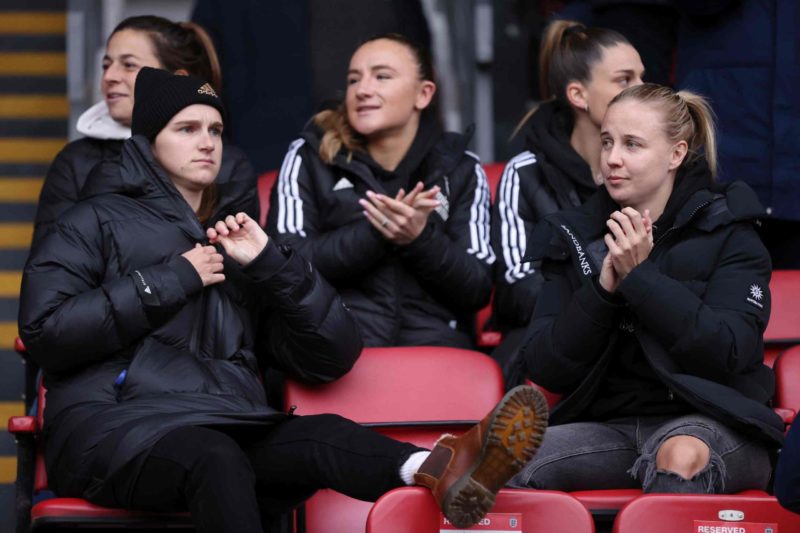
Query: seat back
point(783, 330)
point(40, 472)
point(671, 513)
point(265, 183)
point(415, 386)
point(414, 509)
point(784, 321)
point(488, 338)
point(494, 172)
point(412, 394)
point(787, 380)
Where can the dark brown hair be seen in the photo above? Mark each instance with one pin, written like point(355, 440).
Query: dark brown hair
point(179, 45)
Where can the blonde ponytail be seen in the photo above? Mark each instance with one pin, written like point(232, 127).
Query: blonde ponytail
point(705, 132)
point(337, 134)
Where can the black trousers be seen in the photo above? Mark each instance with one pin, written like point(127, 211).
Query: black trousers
point(228, 482)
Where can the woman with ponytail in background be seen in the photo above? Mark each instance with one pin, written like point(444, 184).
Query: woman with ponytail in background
point(651, 318)
point(391, 209)
point(136, 42)
point(581, 69)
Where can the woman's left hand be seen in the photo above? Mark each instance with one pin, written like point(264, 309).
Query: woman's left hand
point(630, 240)
point(240, 235)
point(401, 220)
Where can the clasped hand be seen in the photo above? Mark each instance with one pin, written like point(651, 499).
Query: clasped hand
point(403, 218)
point(629, 243)
point(242, 238)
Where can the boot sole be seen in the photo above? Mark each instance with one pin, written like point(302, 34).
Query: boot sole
point(515, 433)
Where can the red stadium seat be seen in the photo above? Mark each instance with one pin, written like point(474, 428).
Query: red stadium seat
point(265, 184)
point(486, 337)
point(787, 383)
point(67, 513)
point(413, 394)
point(494, 172)
point(414, 509)
point(783, 329)
point(671, 513)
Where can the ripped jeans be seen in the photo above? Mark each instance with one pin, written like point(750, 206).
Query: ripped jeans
point(621, 453)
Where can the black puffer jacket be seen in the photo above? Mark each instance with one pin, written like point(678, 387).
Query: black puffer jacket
point(695, 310)
point(71, 167)
point(425, 293)
point(108, 291)
point(547, 177)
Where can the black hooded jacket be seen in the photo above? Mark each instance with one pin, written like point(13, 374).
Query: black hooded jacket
point(424, 293)
point(131, 343)
point(71, 167)
point(684, 330)
point(547, 177)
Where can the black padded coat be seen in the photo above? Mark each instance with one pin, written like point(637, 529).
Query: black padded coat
point(695, 310)
point(133, 346)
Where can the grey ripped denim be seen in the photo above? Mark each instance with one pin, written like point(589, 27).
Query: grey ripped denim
point(621, 453)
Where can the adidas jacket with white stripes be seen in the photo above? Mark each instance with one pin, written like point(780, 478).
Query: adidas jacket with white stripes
point(424, 293)
point(547, 177)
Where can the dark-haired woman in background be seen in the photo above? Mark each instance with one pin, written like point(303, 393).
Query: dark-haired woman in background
point(581, 70)
point(136, 42)
point(393, 211)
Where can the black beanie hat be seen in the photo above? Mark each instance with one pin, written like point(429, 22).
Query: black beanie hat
point(159, 95)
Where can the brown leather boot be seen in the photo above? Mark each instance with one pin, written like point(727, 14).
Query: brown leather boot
point(464, 473)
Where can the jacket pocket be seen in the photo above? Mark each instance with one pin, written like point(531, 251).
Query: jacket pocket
point(158, 368)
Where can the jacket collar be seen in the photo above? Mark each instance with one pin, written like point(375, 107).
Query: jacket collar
point(705, 209)
point(137, 175)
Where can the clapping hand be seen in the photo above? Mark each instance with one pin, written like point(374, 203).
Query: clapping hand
point(240, 235)
point(629, 243)
point(401, 219)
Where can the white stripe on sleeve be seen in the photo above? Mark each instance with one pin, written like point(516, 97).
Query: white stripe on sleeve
point(512, 227)
point(479, 216)
point(290, 204)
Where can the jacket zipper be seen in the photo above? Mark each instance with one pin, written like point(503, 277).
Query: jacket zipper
point(691, 216)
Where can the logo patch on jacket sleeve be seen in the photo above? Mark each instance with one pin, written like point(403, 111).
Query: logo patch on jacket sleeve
point(755, 295)
point(146, 293)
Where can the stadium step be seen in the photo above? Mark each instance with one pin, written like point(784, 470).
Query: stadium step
point(34, 110)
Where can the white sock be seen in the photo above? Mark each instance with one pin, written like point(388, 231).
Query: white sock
point(411, 466)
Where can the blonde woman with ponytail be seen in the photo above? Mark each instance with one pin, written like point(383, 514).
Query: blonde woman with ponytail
point(580, 70)
point(651, 318)
point(136, 42)
point(390, 208)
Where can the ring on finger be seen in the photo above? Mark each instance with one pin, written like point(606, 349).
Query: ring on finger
point(385, 222)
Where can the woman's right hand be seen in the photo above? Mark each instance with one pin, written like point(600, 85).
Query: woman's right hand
point(629, 243)
point(207, 262)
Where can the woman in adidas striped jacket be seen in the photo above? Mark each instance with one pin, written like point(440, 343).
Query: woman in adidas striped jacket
point(581, 69)
point(393, 211)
